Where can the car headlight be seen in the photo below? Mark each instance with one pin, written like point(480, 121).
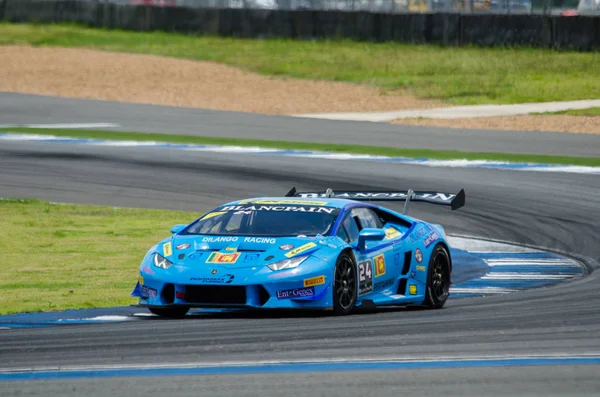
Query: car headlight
point(161, 261)
point(288, 263)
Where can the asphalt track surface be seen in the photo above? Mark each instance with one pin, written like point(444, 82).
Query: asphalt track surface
point(32, 109)
point(554, 210)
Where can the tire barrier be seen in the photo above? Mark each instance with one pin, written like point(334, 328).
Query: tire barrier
point(573, 33)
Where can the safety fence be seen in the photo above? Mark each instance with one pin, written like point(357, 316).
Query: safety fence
point(544, 7)
point(573, 32)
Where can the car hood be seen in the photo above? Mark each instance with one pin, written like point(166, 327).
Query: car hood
point(239, 251)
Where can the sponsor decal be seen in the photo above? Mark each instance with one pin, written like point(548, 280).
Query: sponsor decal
point(379, 265)
point(212, 215)
point(413, 274)
point(229, 239)
point(279, 208)
point(384, 195)
point(213, 271)
point(182, 246)
point(418, 256)
point(181, 256)
point(391, 233)
point(296, 293)
point(151, 292)
point(433, 237)
point(419, 232)
point(251, 257)
point(384, 284)
point(311, 282)
point(230, 249)
point(141, 280)
point(147, 270)
point(217, 257)
point(196, 255)
point(224, 279)
point(365, 277)
point(300, 249)
point(268, 258)
point(263, 240)
point(283, 202)
point(286, 247)
point(167, 249)
point(179, 295)
point(421, 268)
point(412, 289)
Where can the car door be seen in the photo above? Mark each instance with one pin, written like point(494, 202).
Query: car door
point(373, 272)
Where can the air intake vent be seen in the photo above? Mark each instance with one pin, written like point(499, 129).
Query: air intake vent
point(168, 293)
point(263, 295)
point(402, 287)
point(407, 259)
point(216, 294)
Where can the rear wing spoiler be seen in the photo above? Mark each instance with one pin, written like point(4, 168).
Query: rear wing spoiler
point(454, 201)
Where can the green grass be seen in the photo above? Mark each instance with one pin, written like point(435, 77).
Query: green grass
point(355, 149)
point(64, 256)
point(576, 112)
point(464, 75)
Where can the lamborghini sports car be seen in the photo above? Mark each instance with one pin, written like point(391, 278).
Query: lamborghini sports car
point(307, 250)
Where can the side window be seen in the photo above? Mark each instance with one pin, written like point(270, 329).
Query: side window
point(341, 233)
point(367, 218)
point(351, 228)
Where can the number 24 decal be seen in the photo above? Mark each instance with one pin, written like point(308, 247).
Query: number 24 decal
point(364, 271)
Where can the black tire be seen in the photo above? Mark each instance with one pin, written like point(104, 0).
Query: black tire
point(438, 278)
point(170, 312)
point(345, 287)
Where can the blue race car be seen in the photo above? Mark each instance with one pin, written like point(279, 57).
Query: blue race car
point(307, 250)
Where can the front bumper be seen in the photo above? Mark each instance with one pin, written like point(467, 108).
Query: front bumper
point(308, 288)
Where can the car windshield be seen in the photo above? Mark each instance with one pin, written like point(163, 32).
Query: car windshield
point(277, 220)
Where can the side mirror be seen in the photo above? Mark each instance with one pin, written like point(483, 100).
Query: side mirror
point(177, 228)
point(369, 234)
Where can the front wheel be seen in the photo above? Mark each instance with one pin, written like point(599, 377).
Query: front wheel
point(170, 312)
point(438, 278)
point(344, 285)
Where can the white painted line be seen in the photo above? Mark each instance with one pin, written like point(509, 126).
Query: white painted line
point(526, 276)
point(350, 359)
point(483, 290)
point(27, 137)
point(107, 318)
point(526, 260)
point(339, 156)
point(62, 125)
point(474, 246)
point(520, 264)
point(235, 149)
point(99, 318)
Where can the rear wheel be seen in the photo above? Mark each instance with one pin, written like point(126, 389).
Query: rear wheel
point(170, 312)
point(438, 278)
point(344, 285)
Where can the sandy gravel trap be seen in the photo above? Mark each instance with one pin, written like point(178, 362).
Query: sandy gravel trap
point(82, 73)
